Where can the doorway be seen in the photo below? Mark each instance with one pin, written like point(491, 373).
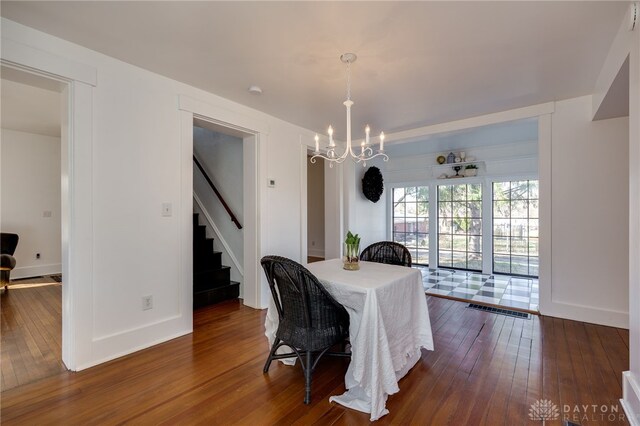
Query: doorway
point(218, 238)
point(31, 207)
point(315, 211)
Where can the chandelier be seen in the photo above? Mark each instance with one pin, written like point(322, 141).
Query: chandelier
point(366, 151)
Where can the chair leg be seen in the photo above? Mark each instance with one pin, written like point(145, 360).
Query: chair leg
point(271, 354)
point(307, 379)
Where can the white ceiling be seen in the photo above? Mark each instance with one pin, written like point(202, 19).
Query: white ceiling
point(28, 108)
point(419, 63)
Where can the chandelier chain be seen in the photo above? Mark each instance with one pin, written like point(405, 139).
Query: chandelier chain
point(349, 80)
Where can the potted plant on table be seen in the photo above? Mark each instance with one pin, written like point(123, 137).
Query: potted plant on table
point(351, 252)
point(471, 170)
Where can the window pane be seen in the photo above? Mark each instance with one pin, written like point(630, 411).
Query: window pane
point(444, 242)
point(501, 190)
point(519, 190)
point(501, 245)
point(444, 193)
point(474, 209)
point(460, 242)
point(411, 220)
point(460, 226)
point(422, 257)
point(444, 258)
point(423, 194)
point(533, 189)
point(501, 209)
point(515, 242)
point(423, 240)
point(474, 192)
point(398, 194)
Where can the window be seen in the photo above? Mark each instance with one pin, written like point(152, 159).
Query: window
point(460, 226)
point(515, 227)
point(411, 221)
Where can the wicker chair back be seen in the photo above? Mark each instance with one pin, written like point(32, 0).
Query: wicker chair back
point(309, 317)
point(388, 252)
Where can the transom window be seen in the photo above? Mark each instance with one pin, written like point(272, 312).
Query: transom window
point(460, 226)
point(411, 221)
point(515, 227)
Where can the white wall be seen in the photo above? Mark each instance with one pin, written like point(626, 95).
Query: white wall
point(135, 166)
point(315, 208)
point(30, 176)
point(589, 216)
point(221, 157)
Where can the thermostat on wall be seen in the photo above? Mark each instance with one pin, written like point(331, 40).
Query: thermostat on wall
point(271, 183)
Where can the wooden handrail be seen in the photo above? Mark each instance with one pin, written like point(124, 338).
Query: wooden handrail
point(224, 203)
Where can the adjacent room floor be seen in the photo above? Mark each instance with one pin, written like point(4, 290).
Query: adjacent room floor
point(31, 331)
point(504, 291)
point(485, 369)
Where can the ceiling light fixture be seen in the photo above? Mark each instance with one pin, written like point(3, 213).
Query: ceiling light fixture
point(255, 90)
point(366, 152)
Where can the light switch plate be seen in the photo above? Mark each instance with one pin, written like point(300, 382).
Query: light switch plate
point(167, 209)
point(271, 183)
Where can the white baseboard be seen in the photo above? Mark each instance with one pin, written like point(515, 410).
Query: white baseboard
point(631, 398)
point(315, 253)
point(36, 271)
point(586, 314)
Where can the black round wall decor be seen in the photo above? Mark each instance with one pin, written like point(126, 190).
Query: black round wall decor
point(372, 184)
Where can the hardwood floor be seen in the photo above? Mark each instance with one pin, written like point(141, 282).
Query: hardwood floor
point(486, 369)
point(31, 331)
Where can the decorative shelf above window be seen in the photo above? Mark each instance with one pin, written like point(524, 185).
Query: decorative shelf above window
point(448, 170)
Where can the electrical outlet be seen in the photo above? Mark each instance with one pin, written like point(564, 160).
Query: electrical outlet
point(147, 302)
point(37, 255)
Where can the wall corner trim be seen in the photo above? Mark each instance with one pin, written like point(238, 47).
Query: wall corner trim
point(631, 398)
point(30, 58)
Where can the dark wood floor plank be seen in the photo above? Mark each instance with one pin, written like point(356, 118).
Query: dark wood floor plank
point(486, 369)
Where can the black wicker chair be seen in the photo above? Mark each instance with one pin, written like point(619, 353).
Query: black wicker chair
point(8, 244)
point(388, 252)
point(310, 319)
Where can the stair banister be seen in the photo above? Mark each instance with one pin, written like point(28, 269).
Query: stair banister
point(224, 203)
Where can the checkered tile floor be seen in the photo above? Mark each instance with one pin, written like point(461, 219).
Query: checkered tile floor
point(500, 290)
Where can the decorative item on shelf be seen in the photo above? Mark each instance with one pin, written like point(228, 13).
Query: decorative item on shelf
point(457, 169)
point(351, 252)
point(458, 160)
point(451, 158)
point(373, 184)
point(463, 156)
point(471, 170)
point(441, 159)
point(366, 152)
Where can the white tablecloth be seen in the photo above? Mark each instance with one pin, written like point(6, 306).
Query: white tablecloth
point(389, 323)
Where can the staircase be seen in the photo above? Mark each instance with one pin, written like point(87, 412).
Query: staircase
point(211, 280)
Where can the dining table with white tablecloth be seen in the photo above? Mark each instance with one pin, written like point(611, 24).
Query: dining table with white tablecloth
point(389, 324)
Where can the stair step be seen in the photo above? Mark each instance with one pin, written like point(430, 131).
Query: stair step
point(207, 260)
point(203, 246)
point(220, 294)
point(211, 278)
point(199, 233)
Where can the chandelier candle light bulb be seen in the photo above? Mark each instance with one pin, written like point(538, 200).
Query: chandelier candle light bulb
point(366, 153)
